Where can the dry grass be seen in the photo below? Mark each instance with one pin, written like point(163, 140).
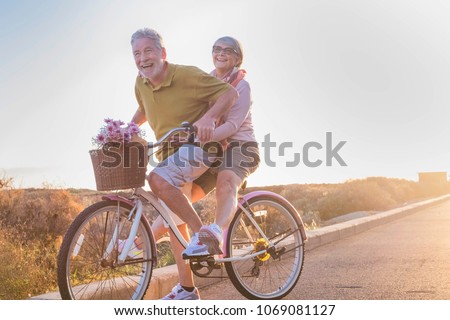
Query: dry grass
point(33, 222)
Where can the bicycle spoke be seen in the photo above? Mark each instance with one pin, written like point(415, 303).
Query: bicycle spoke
point(274, 273)
point(91, 259)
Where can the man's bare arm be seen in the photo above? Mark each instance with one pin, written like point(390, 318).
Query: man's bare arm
point(139, 118)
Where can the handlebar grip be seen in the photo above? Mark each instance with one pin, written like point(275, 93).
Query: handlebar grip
point(191, 138)
point(191, 129)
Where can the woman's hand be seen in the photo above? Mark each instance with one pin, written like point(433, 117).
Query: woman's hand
point(205, 129)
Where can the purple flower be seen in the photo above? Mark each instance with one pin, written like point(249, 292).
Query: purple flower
point(114, 130)
point(101, 138)
point(133, 130)
point(118, 123)
point(110, 128)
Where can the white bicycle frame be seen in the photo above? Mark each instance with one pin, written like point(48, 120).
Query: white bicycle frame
point(151, 198)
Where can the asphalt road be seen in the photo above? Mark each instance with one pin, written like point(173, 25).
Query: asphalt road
point(407, 259)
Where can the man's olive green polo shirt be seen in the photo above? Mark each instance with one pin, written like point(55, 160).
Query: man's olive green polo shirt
point(185, 95)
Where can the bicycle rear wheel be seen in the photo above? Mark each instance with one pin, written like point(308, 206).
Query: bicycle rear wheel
point(88, 266)
point(271, 275)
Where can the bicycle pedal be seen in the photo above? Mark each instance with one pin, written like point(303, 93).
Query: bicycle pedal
point(200, 258)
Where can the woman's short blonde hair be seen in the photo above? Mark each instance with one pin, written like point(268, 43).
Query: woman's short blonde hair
point(235, 44)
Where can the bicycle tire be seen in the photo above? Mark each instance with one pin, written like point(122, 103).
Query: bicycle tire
point(86, 272)
point(265, 277)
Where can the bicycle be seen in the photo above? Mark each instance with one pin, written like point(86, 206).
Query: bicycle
point(109, 251)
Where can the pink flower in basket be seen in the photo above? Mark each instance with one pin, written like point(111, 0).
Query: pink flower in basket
point(117, 165)
point(117, 131)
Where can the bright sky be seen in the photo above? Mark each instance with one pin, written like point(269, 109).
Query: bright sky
point(375, 74)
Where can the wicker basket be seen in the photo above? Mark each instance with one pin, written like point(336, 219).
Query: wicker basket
point(118, 166)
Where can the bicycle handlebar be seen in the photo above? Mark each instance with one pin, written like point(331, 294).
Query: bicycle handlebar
point(185, 127)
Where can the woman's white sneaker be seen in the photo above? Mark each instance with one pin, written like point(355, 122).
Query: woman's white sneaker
point(212, 237)
point(195, 248)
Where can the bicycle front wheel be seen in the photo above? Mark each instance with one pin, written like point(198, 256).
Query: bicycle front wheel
point(274, 273)
point(88, 261)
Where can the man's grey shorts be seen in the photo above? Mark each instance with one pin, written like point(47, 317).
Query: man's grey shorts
point(183, 167)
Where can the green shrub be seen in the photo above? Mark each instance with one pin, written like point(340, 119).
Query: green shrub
point(371, 194)
point(165, 255)
point(26, 269)
point(320, 202)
